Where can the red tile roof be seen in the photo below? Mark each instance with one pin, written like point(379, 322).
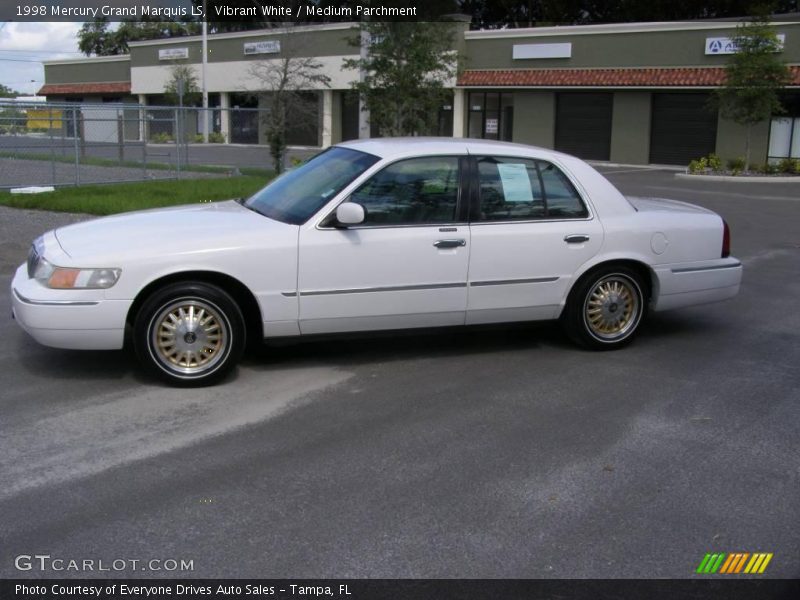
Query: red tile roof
point(112, 87)
point(633, 77)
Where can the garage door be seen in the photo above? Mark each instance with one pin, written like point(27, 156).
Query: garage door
point(683, 128)
point(583, 124)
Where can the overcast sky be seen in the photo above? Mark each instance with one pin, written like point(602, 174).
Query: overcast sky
point(24, 45)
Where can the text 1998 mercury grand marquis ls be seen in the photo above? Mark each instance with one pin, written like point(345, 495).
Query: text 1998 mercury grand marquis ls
point(375, 234)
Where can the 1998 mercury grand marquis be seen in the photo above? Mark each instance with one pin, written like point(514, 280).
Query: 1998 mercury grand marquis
point(375, 234)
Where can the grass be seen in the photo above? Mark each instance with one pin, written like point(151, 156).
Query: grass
point(151, 166)
point(123, 197)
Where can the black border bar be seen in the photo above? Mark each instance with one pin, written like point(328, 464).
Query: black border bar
point(716, 588)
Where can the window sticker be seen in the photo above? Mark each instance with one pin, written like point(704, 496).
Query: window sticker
point(516, 184)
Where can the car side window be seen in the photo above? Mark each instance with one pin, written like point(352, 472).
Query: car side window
point(412, 191)
point(509, 189)
point(563, 200)
point(517, 189)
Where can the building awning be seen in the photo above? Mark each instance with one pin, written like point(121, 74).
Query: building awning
point(677, 77)
point(111, 87)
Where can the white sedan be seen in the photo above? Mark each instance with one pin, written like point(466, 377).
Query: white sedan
point(375, 234)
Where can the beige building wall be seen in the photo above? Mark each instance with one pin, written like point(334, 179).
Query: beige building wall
point(630, 127)
point(731, 141)
point(535, 118)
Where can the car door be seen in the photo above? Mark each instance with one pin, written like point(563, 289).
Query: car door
point(404, 266)
point(530, 232)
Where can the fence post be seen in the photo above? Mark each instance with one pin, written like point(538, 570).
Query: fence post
point(178, 143)
point(81, 133)
point(143, 134)
point(120, 139)
point(77, 133)
point(52, 149)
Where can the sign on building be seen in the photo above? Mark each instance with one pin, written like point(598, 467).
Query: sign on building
point(524, 51)
point(724, 45)
point(173, 53)
point(267, 47)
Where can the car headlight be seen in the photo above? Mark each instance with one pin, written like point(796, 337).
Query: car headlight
point(68, 278)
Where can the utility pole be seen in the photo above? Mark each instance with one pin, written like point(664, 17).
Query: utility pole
point(205, 118)
point(363, 113)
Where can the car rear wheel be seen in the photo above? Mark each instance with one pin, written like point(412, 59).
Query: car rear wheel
point(189, 333)
point(606, 308)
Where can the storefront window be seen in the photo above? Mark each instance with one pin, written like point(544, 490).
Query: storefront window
point(784, 138)
point(491, 115)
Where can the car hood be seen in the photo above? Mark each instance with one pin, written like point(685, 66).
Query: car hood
point(176, 230)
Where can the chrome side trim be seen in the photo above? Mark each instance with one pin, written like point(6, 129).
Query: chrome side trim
point(442, 224)
point(25, 300)
point(512, 281)
point(530, 221)
point(713, 268)
point(395, 288)
point(289, 294)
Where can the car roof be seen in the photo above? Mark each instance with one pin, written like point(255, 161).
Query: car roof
point(413, 146)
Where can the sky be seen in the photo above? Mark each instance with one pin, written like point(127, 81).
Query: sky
point(24, 45)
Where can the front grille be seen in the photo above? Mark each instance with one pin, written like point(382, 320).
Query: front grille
point(33, 261)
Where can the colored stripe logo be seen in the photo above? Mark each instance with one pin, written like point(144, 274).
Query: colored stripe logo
point(734, 563)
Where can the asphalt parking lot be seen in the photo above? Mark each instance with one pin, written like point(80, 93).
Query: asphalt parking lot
point(501, 452)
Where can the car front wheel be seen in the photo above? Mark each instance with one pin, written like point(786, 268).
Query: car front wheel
point(189, 333)
point(606, 308)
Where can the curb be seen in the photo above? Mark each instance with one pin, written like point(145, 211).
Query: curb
point(740, 178)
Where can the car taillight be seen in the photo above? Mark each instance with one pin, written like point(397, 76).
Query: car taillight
point(726, 239)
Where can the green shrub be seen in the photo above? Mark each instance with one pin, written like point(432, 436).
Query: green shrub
point(216, 138)
point(787, 165)
point(736, 165)
point(198, 138)
point(714, 163)
point(765, 169)
point(698, 166)
point(162, 138)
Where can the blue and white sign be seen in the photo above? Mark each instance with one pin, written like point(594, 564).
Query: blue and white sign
point(267, 47)
point(724, 45)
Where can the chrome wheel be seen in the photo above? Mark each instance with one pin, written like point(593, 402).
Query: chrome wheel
point(612, 308)
point(189, 336)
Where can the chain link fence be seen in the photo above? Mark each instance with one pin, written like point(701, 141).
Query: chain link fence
point(74, 144)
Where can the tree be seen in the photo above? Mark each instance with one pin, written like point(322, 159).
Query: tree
point(99, 38)
point(754, 77)
point(405, 71)
point(489, 14)
point(94, 37)
point(287, 81)
point(182, 87)
point(7, 92)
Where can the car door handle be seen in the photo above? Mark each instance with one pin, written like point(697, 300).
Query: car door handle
point(576, 238)
point(449, 243)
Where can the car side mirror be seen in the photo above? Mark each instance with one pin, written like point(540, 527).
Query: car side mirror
point(349, 213)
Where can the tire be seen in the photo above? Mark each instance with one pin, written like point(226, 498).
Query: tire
point(606, 308)
point(189, 334)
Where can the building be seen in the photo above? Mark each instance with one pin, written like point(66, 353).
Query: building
point(626, 93)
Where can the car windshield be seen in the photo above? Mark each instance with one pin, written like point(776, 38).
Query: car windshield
point(297, 194)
